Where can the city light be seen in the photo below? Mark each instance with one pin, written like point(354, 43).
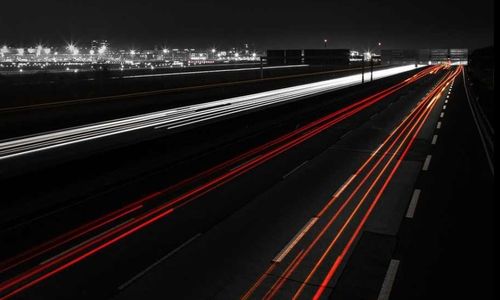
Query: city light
point(45, 57)
point(39, 50)
point(102, 49)
point(71, 48)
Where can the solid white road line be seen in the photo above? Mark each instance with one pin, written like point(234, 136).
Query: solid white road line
point(413, 204)
point(386, 289)
point(427, 163)
point(283, 253)
point(140, 274)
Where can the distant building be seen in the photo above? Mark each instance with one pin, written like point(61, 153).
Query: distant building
point(95, 45)
point(424, 56)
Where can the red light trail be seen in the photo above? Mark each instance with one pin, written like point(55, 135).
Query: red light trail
point(407, 131)
point(251, 159)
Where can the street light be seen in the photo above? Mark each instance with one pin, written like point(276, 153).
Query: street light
point(326, 41)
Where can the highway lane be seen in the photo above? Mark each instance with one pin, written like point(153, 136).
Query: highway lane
point(148, 158)
point(180, 116)
point(302, 113)
point(446, 248)
point(282, 166)
point(370, 180)
point(262, 229)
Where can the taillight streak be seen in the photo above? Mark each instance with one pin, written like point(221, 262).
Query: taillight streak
point(413, 114)
point(193, 194)
point(358, 229)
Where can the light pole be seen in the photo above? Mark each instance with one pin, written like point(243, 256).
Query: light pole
point(325, 41)
point(370, 54)
point(362, 68)
point(371, 67)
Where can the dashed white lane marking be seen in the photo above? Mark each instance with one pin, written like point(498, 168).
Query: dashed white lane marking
point(438, 125)
point(385, 290)
point(444, 106)
point(343, 186)
point(434, 139)
point(427, 162)
point(345, 134)
point(140, 274)
point(86, 241)
point(283, 253)
point(441, 115)
point(413, 204)
point(294, 169)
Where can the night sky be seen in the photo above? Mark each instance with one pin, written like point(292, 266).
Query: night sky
point(264, 24)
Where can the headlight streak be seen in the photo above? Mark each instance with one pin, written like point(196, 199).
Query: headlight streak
point(69, 258)
point(178, 117)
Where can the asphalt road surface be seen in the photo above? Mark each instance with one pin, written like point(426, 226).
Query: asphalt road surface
point(292, 218)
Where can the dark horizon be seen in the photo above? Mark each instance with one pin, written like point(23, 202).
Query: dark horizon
point(222, 24)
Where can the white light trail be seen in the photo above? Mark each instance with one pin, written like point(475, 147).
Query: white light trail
point(181, 116)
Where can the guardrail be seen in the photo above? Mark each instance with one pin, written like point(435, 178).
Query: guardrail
point(486, 131)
